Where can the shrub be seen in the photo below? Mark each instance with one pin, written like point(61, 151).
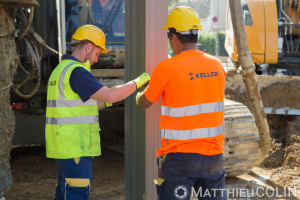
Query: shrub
point(212, 40)
point(208, 41)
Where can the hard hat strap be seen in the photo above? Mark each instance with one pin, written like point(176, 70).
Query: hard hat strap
point(189, 32)
point(192, 31)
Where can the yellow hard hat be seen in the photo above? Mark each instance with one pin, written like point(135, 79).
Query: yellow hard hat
point(91, 33)
point(183, 18)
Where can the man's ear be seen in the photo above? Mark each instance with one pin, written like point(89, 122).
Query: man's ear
point(89, 47)
point(175, 38)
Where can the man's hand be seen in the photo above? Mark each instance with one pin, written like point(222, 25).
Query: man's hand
point(142, 100)
point(107, 105)
point(141, 80)
point(137, 97)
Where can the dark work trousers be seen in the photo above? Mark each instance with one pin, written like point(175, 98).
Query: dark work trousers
point(194, 175)
point(73, 179)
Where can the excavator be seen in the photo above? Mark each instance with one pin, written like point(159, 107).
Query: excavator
point(272, 30)
point(273, 34)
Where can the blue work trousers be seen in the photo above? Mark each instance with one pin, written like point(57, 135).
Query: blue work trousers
point(186, 175)
point(73, 179)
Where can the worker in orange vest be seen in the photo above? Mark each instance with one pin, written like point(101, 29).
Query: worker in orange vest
point(191, 84)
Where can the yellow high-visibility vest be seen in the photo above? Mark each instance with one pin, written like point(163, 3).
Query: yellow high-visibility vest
point(72, 126)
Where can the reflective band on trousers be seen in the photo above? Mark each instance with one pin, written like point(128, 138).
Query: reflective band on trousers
point(71, 120)
point(192, 134)
point(69, 103)
point(192, 110)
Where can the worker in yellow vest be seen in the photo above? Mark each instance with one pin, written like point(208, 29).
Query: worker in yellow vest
point(191, 85)
point(73, 99)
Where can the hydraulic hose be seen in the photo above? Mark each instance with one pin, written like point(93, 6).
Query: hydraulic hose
point(296, 51)
point(31, 53)
point(34, 57)
point(250, 79)
point(286, 41)
point(291, 40)
point(29, 47)
point(28, 23)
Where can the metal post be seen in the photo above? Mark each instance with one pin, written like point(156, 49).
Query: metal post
point(135, 60)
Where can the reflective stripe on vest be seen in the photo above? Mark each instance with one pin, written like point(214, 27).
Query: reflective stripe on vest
point(61, 95)
point(192, 110)
point(192, 134)
point(69, 103)
point(72, 120)
point(61, 102)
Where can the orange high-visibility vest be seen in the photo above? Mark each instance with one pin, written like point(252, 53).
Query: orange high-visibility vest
point(192, 88)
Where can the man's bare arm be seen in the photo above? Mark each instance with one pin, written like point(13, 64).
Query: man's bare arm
point(114, 94)
point(142, 100)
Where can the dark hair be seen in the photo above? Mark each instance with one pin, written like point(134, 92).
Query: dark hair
point(186, 38)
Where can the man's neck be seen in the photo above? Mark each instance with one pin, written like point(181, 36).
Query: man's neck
point(79, 56)
point(187, 47)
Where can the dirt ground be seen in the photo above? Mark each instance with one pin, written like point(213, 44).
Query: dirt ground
point(34, 176)
point(278, 177)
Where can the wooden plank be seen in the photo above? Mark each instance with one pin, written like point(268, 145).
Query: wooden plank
point(108, 73)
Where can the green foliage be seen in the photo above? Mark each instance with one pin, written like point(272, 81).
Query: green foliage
point(221, 40)
point(209, 41)
point(213, 42)
point(170, 51)
point(171, 3)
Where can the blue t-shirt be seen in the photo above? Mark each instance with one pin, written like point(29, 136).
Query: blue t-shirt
point(82, 81)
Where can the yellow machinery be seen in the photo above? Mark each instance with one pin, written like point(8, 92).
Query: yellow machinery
point(273, 30)
point(273, 34)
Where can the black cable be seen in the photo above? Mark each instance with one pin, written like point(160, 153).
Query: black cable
point(32, 58)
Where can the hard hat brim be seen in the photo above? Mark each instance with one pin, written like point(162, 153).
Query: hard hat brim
point(104, 50)
point(165, 28)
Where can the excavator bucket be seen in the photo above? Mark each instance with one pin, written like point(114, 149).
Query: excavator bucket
point(20, 3)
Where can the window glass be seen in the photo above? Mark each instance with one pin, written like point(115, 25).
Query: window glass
point(246, 13)
point(105, 14)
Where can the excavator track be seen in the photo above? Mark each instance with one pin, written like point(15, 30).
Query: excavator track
point(241, 145)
